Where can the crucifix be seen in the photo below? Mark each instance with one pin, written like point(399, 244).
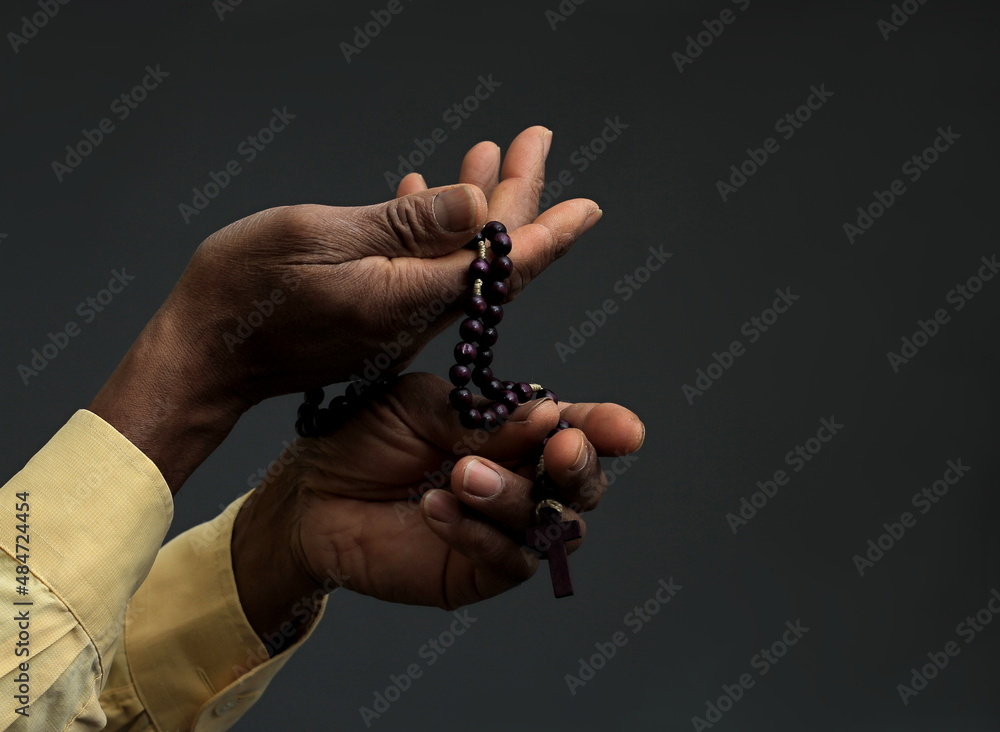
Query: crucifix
point(549, 537)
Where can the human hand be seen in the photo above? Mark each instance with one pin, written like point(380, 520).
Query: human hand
point(323, 290)
point(352, 506)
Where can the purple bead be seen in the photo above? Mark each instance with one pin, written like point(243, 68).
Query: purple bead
point(562, 424)
point(501, 244)
point(465, 353)
point(475, 306)
point(492, 388)
point(501, 411)
point(484, 357)
point(496, 291)
point(459, 375)
point(314, 396)
point(501, 267)
point(460, 398)
point(479, 269)
point(482, 375)
point(489, 419)
point(547, 393)
point(488, 337)
point(508, 385)
point(471, 419)
point(340, 404)
point(509, 398)
point(307, 409)
point(523, 391)
point(493, 314)
point(471, 329)
point(493, 228)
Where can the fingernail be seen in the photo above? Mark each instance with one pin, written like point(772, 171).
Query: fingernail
point(455, 209)
point(643, 438)
point(422, 180)
point(480, 480)
point(546, 143)
point(442, 506)
point(592, 218)
point(581, 459)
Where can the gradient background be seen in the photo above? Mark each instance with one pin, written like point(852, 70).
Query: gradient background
point(666, 517)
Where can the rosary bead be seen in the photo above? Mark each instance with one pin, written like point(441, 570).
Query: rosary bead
point(484, 357)
point(471, 330)
point(492, 388)
point(465, 353)
point(308, 409)
point(315, 396)
point(471, 418)
point(489, 419)
point(501, 411)
point(300, 428)
point(482, 375)
point(325, 420)
point(460, 398)
point(547, 394)
point(339, 404)
point(460, 375)
point(493, 228)
point(508, 385)
point(479, 269)
point(501, 267)
point(488, 337)
point(562, 424)
point(523, 391)
point(508, 398)
point(475, 306)
point(493, 314)
point(501, 244)
point(496, 291)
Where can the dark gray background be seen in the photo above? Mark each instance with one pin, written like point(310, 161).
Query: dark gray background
point(666, 517)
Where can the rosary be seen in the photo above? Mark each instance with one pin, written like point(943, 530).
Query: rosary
point(473, 356)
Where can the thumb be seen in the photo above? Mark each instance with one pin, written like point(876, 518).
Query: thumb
point(428, 223)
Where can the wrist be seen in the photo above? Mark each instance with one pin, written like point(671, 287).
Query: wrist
point(278, 596)
point(169, 399)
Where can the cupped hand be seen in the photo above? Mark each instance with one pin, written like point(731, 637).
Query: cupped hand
point(301, 296)
point(403, 504)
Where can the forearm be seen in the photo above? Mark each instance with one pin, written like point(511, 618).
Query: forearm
point(169, 399)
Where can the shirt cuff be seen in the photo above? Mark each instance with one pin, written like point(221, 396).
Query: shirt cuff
point(99, 510)
point(194, 658)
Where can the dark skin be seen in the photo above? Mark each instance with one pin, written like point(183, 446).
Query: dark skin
point(350, 507)
point(332, 515)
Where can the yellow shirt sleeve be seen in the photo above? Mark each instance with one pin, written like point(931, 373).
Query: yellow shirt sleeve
point(80, 526)
point(190, 659)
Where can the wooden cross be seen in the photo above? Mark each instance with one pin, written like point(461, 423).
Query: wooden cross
point(550, 537)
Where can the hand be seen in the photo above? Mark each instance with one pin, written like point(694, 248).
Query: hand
point(350, 507)
point(320, 290)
